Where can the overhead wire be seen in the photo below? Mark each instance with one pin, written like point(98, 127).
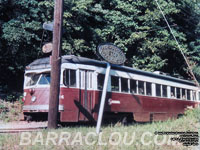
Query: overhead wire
point(179, 47)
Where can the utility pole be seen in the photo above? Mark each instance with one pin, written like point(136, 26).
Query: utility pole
point(55, 65)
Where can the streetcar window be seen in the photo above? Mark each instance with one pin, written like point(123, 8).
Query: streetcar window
point(164, 90)
point(173, 92)
point(89, 79)
point(66, 77)
point(149, 88)
point(100, 81)
point(158, 90)
point(32, 79)
point(194, 95)
point(183, 94)
point(199, 96)
point(141, 87)
point(70, 78)
point(114, 83)
point(124, 85)
point(45, 79)
point(188, 95)
point(133, 86)
point(178, 93)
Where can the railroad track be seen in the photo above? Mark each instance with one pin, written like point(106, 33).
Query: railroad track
point(18, 127)
point(18, 130)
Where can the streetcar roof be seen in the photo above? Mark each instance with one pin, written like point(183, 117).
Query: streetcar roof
point(44, 63)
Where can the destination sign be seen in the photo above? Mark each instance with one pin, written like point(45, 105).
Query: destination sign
point(111, 53)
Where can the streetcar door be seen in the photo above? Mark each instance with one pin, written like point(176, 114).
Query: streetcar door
point(85, 94)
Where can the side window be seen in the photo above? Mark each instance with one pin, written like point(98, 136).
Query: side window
point(100, 81)
point(188, 95)
point(199, 96)
point(66, 77)
point(158, 90)
point(183, 94)
point(178, 93)
point(133, 86)
point(141, 87)
point(173, 92)
point(194, 95)
point(89, 79)
point(148, 88)
point(114, 83)
point(124, 85)
point(70, 78)
point(164, 90)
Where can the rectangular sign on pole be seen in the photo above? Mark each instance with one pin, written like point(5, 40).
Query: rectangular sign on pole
point(48, 26)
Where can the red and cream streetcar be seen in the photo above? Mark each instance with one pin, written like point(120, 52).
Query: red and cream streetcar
point(133, 94)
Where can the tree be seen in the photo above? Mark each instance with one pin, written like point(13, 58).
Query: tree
point(137, 27)
point(20, 35)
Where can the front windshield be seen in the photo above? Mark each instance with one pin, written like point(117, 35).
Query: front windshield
point(45, 79)
point(32, 79)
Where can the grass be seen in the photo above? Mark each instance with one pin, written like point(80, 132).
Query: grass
point(78, 136)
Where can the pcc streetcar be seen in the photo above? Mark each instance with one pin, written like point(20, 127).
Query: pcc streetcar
point(132, 94)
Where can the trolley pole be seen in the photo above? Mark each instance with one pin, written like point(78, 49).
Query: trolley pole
point(55, 65)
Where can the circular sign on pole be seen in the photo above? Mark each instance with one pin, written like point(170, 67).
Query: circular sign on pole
point(47, 48)
point(111, 53)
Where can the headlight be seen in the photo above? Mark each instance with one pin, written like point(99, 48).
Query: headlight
point(24, 97)
point(25, 94)
point(33, 98)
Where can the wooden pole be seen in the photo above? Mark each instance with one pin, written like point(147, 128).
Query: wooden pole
point(55, 66)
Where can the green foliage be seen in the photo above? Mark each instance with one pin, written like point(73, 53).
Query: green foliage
point(137, 27)
point(193, 113)
point(10, 111)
